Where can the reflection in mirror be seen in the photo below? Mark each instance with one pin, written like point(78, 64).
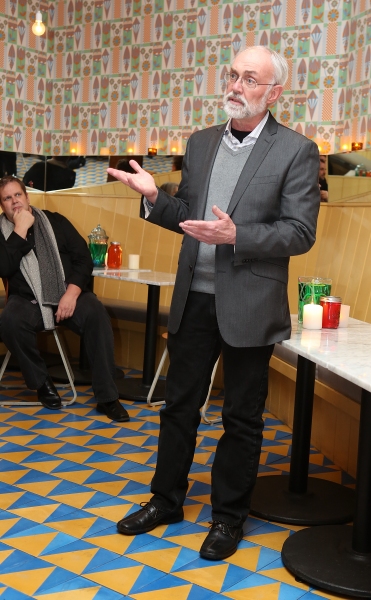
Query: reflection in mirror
point(90, 170)
point(8, 163)
point(51, 174)
point(350, 163)
point(17, 164)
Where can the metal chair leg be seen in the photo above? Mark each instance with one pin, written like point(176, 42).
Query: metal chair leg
point(9, 386)
point(67, 367)
point(5, 364)
point(206, 404)
point(155, 380)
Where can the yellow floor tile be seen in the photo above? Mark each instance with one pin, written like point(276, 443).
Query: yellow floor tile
point(26, 581)
point(211, 578)
point(119, 580)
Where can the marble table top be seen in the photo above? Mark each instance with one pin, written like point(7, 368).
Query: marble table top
point(345, 351)
point(137, 276)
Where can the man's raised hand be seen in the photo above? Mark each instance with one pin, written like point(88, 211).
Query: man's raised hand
point(140, 181)
point(23, 220)
point(221, 231)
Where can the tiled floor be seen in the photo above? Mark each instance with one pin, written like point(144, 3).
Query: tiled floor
point(66, 477)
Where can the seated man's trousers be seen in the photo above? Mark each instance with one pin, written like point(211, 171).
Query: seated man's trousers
point(21, 320)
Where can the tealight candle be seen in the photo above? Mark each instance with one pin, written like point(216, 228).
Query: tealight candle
point(312, 316)
point(344, 315)
point(133, 260)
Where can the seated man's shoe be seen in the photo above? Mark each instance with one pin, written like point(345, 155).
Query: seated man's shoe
point(48, 395)
point(147, 518)
point(113, 410)
point(221, 541)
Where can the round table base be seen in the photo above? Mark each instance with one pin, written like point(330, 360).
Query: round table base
point(324, 502)
point(323, 557)
point(81, 376)
point(132, 388)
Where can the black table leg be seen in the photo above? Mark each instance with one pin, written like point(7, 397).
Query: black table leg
point(132, 388)
point(338, 558)
point(297, 498)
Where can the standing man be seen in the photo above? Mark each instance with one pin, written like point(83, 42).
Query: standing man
point(47, 282)
point(247, 201)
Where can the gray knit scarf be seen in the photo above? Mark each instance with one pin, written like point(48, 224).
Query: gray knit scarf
point(44, 273)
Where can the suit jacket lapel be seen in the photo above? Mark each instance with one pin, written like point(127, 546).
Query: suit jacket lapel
point(264, 142)
point(210, 153)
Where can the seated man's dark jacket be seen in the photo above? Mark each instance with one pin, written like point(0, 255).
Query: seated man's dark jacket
point(323, 184)
point(73, 250)
point(11, 253)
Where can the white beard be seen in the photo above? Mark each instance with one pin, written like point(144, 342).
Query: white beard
point(246, 110)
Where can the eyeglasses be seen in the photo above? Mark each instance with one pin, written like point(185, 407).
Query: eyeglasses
point(247, 82)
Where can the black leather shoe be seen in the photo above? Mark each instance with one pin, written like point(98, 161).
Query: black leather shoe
point(113, 410)
point(147, 518)
point(221, 542)
point(48, 395)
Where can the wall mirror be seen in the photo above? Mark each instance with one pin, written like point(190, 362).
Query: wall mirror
point(48, 173)
point(346, 163)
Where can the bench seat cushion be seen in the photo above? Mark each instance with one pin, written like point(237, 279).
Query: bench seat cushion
point(128, 310)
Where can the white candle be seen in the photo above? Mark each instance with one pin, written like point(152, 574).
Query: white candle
point(344, 315)
point(312, 316)
point(133, 261)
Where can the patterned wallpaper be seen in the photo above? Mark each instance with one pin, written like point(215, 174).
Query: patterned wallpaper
point(130, 74)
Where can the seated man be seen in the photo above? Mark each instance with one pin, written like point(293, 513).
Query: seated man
point(50, 284)
point(323, 186)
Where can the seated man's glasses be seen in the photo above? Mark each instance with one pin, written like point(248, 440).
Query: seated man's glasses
point(247, 82)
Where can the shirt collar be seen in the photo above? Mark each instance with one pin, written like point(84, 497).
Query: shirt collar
point(253, 135)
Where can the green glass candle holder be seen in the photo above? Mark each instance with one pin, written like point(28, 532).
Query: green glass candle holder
point(310, 291)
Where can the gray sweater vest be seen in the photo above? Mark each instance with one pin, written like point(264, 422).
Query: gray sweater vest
point(226, 171)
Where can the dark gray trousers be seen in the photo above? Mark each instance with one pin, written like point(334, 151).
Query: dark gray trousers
point(21, 320)
point(193, 351)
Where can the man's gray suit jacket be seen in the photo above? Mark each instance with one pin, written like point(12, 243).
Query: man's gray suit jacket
point(274, 207)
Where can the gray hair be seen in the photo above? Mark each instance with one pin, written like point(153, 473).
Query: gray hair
point(279, 63)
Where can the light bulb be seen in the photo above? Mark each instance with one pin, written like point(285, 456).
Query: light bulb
point(38, 28)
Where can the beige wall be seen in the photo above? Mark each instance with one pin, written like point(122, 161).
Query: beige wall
point(343, 252)
point(349, 189)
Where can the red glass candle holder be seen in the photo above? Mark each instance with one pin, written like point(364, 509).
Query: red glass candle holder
point(331, 311)
point(114, 258)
